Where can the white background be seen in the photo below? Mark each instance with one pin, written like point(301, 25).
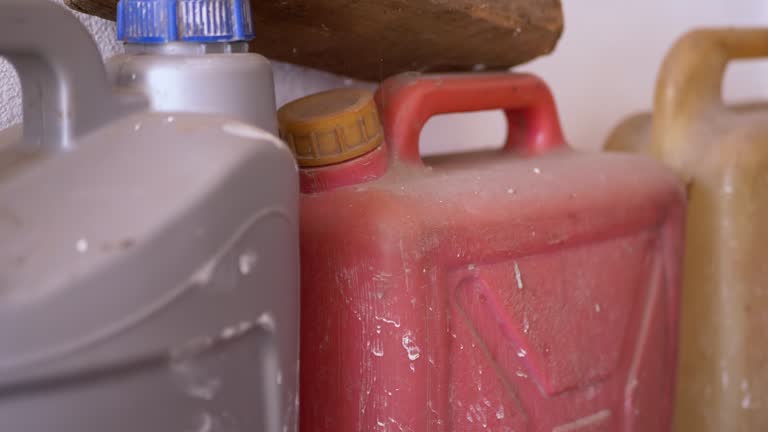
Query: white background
point(603, 69)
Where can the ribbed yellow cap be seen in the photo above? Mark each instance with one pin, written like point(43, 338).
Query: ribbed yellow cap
point(331, 127)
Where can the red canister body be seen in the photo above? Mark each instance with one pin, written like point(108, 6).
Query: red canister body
point(531, 289)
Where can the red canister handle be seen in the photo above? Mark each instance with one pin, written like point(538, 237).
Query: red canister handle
point(406, 102)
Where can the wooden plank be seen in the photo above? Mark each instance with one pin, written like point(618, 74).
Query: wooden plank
point(101, 8)
point(373, 39)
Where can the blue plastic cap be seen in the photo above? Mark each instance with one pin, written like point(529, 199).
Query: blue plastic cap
point(161, 21)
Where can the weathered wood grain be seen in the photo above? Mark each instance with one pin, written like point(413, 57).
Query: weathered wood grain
point(373, 39)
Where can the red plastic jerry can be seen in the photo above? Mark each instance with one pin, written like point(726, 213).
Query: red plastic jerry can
point(529, 289)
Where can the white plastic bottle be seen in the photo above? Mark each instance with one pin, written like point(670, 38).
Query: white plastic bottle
point(192, 56)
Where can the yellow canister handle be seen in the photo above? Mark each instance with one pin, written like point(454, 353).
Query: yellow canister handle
point(690, 83)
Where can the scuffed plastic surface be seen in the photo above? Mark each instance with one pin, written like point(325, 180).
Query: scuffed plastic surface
point(149, 276)
point(492, 292)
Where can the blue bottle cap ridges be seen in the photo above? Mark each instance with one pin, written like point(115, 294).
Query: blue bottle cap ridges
point(161, 21)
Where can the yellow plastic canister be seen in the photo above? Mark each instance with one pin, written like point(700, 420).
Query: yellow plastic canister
point(722, 152)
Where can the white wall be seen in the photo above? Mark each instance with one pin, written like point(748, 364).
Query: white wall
point(603, 69)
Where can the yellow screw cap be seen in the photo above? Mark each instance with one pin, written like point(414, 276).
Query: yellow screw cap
point(331, 127)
